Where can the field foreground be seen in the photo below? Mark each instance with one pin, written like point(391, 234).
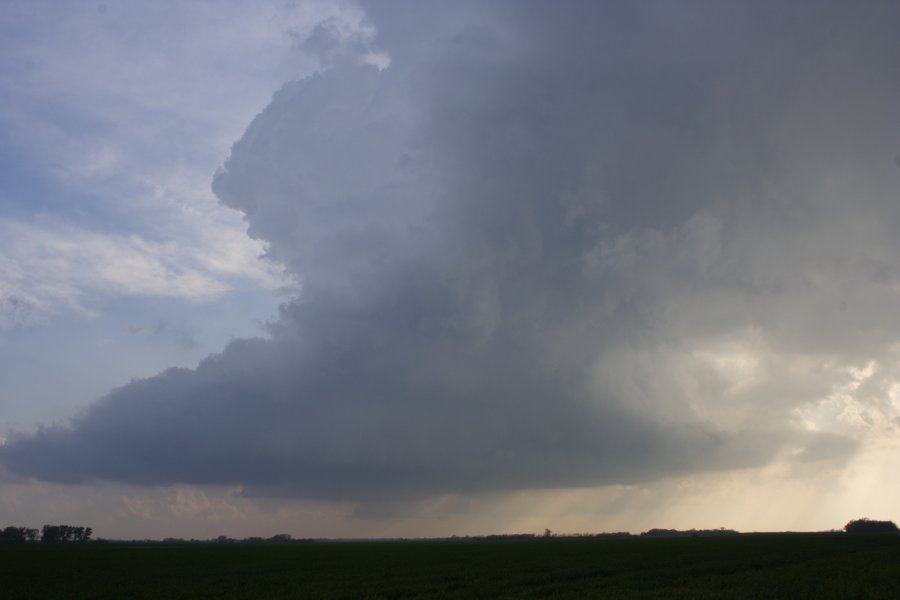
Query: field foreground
point(746, 566)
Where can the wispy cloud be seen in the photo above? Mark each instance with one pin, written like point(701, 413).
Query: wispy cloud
point(48, 268)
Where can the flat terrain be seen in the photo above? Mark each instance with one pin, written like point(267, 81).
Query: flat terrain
point(750, 566)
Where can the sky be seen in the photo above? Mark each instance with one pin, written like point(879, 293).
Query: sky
point(415, 268)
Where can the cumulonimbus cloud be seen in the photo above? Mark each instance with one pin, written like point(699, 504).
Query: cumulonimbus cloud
point(542, 248)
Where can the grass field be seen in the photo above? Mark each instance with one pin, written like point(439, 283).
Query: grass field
point(764, 566)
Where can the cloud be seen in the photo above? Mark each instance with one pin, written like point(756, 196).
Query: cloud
point(177, 334)
point(49, 268)
point(113, 122)
point(543, 249)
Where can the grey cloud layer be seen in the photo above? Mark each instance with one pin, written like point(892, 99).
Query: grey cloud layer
point(535, 251)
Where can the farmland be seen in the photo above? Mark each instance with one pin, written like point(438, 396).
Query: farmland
point(745, 566)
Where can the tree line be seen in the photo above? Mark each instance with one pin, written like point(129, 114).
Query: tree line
point(49, 534)
point(55, 534)
point(870, 526)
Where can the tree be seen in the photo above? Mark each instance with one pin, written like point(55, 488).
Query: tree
point(18, 534)
point(53, 534)
point(870, 526)
point(50, 534)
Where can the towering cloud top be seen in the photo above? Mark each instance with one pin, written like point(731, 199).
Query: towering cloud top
point(546, 246)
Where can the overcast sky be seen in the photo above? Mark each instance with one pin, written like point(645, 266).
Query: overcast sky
point(425, 268)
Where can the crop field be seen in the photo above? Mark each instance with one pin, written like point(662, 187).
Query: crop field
point(748, 566)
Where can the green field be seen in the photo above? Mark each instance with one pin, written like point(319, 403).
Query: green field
point(763, 566)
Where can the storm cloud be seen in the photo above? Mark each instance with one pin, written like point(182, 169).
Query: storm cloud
point(547, 246)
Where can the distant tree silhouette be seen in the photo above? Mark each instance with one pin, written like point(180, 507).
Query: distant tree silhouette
point(54, 534)
point(870, 526)
point(18, 534)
